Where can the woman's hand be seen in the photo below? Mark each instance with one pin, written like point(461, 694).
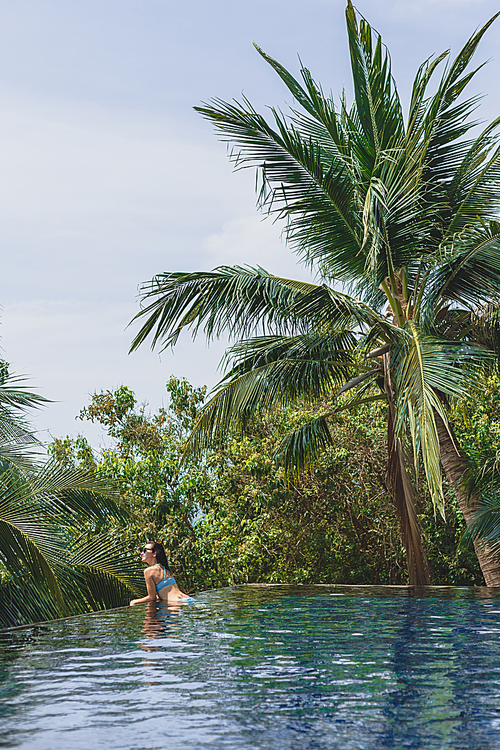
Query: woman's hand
point(142, 601)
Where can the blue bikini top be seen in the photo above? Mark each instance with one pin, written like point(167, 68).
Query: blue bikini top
point(166, 581)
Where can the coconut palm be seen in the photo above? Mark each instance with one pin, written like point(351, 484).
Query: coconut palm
point(47, 567)
point(402, 213)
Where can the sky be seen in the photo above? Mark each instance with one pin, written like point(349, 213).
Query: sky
point(108, 176)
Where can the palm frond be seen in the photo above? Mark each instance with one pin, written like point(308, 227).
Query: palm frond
point(445, 123)
point(301, 95)
point(272, 371)
point(26, 545)
point(67, 494)
point(239, 301)
point(269, 386)
point(484, 529)
point(315, 196)
point(99, 570)
point(233, 299)
point(331, 348)
point(418, 101)
point(423, 368)
point(378, 108)
point(36, 509)
point(468, 274)
point(473, 191)
point(482, 485)
point(300, 447)
point(18, 445)
point(13, 395)
point(24, 601)
point(485, 328)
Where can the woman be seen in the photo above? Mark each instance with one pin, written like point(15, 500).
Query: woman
point(159, 581)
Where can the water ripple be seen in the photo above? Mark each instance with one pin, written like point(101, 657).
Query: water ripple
point(315, 668)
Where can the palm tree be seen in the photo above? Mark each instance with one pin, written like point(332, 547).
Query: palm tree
point(48, 568)
point(403, 214)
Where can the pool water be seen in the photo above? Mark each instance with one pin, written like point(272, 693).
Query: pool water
point(306, 668)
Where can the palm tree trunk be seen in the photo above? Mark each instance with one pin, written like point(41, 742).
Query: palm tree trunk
point(403, 495)
point(455, 465)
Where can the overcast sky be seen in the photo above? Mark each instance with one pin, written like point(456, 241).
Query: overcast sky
point(108, 176)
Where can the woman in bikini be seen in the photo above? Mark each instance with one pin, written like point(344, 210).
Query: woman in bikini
point(159, 581)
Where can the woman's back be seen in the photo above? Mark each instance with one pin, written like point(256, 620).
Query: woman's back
point(166, 581)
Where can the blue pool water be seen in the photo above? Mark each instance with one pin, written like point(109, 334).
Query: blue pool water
point(305, 668)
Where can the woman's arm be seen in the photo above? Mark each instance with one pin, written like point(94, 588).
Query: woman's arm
point(150, 585)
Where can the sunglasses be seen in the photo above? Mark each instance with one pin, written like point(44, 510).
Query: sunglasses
point(146, 549)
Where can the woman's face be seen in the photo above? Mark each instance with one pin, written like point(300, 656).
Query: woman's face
point(147, 554)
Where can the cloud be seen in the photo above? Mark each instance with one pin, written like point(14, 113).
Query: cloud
point(81, 182)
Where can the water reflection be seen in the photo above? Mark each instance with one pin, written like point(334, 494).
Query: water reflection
point(411, 671)
point(315, 669)
point(159, 618)
point(420, 703)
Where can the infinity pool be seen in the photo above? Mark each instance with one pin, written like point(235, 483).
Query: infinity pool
point(302, 668)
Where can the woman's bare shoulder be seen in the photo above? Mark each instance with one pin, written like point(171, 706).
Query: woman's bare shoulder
point(151, 571)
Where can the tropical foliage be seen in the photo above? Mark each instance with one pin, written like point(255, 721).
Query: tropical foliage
point(400, 211)
point(46, 568)
point(236, 518)
point(334, 524)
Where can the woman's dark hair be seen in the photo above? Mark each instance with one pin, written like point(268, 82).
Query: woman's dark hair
point(158, 550)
